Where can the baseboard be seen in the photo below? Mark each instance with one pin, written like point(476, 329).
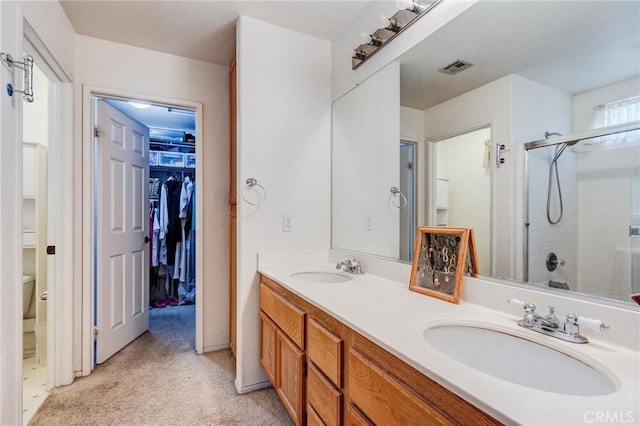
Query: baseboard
point(251, 388)
point(215, 348)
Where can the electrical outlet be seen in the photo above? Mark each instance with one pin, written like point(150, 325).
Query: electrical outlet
point(287, 224)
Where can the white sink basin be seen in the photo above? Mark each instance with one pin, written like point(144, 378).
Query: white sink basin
point(321, 277)
point(517, 360)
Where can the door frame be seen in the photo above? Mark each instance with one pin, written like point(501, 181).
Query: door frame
point(88, 214)
point(59, 212)
point(431, 162)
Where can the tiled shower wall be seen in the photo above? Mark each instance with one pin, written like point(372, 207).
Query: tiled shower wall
point(544, 237)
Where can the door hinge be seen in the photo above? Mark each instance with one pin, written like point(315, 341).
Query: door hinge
point(634, 230)
point(51, 249)
point(96, 332)
point(97, 132)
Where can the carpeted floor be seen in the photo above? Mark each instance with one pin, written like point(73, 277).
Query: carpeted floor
point(159, 380)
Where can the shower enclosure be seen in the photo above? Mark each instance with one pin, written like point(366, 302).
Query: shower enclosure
point(582, 211)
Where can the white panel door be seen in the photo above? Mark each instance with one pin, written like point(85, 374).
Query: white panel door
point(122, 288)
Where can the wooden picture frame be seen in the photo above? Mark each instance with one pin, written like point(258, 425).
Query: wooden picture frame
point(441, 257)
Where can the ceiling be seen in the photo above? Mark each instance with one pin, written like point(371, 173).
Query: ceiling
point(574, 46)
point(203, 30)
point(158, 116)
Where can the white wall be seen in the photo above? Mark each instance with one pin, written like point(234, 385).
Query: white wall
point(344, 78)
point(34, 116)
point(284, 135)
point(366, 164)
point(487, 105)
point(11, 218)
point(584, 103)
point(51, 25)
point(149, 73)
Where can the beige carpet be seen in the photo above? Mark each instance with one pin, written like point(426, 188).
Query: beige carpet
point(159, 380)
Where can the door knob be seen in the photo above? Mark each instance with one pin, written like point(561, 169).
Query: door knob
point(146, 239)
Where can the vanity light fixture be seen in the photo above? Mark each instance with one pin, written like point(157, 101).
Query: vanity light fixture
point(409, 11)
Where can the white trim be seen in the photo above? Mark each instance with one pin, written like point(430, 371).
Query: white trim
point(251, 388)
point(59, 213)
point(11, 40)
point(215, 348)
point(87, 308)
point(60, 234)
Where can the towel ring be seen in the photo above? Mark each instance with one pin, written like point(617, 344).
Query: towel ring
point(252, 183)
point(395, 191)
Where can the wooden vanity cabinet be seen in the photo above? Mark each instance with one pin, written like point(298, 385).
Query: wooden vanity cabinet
point(349, 379)
point(282, 350)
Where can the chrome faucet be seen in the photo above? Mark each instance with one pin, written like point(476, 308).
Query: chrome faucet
point(550, 325)
point(352, 266)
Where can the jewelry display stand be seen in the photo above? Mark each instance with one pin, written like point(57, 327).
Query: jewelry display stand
point(442, 256)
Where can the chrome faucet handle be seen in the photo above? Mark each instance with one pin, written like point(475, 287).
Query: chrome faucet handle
point(528, 307)
point(571, 325)
point(355, 266)
point(594, 323)
point(551, 318)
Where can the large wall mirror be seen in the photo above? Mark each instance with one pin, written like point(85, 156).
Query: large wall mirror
point(416, 146)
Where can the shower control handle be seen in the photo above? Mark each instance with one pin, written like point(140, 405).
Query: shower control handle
point(553, 261)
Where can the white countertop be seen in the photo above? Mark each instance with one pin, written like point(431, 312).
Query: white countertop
point(390, 315)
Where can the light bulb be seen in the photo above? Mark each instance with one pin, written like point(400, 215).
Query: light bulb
point(364, 38)
point(383, 21)
point(410, 5)
point(139, 105)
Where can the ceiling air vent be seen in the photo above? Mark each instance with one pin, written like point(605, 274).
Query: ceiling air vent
point(455, 67)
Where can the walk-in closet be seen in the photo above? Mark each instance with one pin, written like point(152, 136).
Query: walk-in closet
point(170, 211)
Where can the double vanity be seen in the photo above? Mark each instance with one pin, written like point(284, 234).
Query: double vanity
point(345, 348)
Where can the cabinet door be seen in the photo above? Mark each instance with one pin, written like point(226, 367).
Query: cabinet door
point(355, 418)
point(290, 377)
point(268, 347)
point(232, 280)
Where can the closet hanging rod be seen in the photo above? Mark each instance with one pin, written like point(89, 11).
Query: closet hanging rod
point(191, 170)
point(588, 134)
point(176, 144)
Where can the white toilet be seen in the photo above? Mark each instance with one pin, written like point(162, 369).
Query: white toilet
point(28, 284)
point(28, 315)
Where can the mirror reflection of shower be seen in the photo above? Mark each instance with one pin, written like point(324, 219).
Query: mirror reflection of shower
point(553, 170)
point(582, 238)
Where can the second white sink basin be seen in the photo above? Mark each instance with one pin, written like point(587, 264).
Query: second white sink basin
point(321, 277)
point(517, 360)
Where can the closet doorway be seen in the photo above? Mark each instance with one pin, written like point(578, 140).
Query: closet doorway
point(144, 221)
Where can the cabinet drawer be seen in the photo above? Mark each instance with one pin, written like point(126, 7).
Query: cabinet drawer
point(325, 349)
point(323, 397)
point(383, 399)
point(288, 317)
point(313, 419)
point(268, 356)
point(355, 418)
